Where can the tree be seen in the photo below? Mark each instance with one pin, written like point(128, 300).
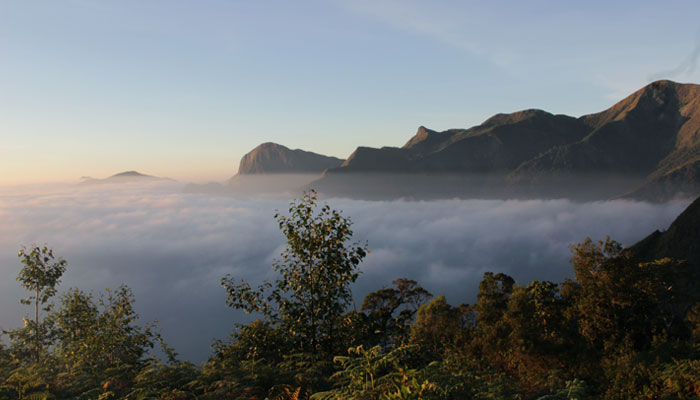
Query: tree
point(99, 340)
point(439, 328)
point(40, 274)
point(316, 270)
point(392, 310)
point(542, 344)
point(621, 299)
point(635, 318)
point(492, 299)
point(96, 335)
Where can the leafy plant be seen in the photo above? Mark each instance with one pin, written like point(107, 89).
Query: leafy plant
point(40, 274)
point(316, 270)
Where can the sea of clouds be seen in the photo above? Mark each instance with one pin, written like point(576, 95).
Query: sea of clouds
point(173, 248)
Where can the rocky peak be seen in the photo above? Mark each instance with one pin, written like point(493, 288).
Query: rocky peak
point(273, 158)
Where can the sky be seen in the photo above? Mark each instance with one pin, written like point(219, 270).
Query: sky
point(183, 89)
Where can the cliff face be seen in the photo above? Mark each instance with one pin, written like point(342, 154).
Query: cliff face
point(272, 158)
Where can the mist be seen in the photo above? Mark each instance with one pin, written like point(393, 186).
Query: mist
point(173, 247)
point(581, 187)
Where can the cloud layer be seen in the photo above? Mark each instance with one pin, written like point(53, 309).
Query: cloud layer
point(173, 248)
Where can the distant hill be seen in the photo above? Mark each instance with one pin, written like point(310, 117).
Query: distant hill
point(272, 158)
point(681, 240)
point(122, 177)
point(645, 146)
point(130, 175)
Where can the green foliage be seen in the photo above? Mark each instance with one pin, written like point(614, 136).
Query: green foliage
point(572, 390)
point(490, 309)
point(622, 300)
point(401, 373)
point(370, 374)
point(251, 359)
point(542, 344)
point(492, 299)
point(40, 274)
point(172, 381)
point(287, 392)
point(316, 270)
point(98, 340)
point(83, 348)
point(678, 378)
point(440, 328)
point(392, 310)
point(29, 383)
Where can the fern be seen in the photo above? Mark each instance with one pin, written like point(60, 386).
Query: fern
point(287, 392)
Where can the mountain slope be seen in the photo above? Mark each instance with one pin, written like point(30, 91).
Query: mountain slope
point(269, 158)
point(681, 240)
point(632, 137)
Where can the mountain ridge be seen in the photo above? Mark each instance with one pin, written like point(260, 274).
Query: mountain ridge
point(651, 138)
point(646, 146)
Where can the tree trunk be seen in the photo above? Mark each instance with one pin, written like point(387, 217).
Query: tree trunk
point(36, 325)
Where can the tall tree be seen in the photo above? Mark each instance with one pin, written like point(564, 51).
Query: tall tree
point(40, 274)
point(316, 270)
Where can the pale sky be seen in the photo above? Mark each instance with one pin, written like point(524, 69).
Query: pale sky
point(184, 88)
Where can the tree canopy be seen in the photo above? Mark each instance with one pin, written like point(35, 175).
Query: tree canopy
point(316, 270)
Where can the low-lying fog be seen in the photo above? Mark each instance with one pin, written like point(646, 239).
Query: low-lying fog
point(172, 248)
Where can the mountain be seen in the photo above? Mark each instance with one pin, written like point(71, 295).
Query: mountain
point(130, 175)
point(645, 146)
point(272, 158)
point(122, 177)
point(500, 144)
point(271, 168)
point(651, 133)
point(681, 240)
